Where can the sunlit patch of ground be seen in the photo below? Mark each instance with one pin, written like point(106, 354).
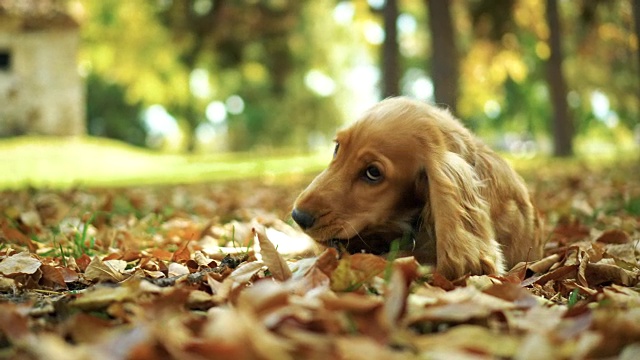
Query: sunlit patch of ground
point(89, 162)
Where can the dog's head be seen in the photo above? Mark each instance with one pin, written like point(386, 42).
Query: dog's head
point(375, 187)
point(407, 166)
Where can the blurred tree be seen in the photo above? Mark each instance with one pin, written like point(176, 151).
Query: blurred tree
point(276, 73)
point(504, 81)
point(187, 55)
point(110, 115)
point(562, 123)
point(390, 54)
point(128, 65)
point(226, 31)
point(636, 21)
point(492, 19)
point(444, 61)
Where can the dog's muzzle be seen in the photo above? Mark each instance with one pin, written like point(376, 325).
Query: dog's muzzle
point(303, 218)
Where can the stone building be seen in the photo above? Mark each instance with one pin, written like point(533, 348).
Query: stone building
point(41, 91)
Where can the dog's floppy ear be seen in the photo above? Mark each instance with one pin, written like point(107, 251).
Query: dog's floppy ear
point(465, 240)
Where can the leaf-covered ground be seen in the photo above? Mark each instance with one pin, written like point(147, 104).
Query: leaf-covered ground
point(217, 271)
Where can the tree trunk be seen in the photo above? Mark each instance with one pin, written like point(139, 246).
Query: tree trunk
point(444, 57)
point(562, 123)
point(390, 52)
point(636, 19)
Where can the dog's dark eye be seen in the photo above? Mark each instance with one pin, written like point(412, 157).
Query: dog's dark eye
point(335, 151)
point(372, 174)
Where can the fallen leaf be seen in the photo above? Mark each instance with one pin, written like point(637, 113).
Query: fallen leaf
point(101, 296)
point(327, 261)
point(13, 235)
point(13, 323)
point(368, 265)
point(543, 265)
point(245, 272)
point(176, 269)
point(52, 278)
point(602, 273)
point(395, 297)
point(31, 219)
point(469, 339)
point(350, 302)
point(557, 274)
point(272, 259)
point(513, 293)
point(83, 262)
point(110, 270)
point(182, 254)
point(20, 263)
point(614, 236)
point(361, 347)
point(622, 295)
point(263, 296)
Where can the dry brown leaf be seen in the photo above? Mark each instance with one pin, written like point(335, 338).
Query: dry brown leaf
point(182, 254)
point(442, 282)
point(557, 274)
point(20, 263)
point(602, 273)
point(245, 272)
point(31, 219)
point(368, 265)
point(516, 294)
point(620, 327)
point(85, 328)
point(354, 270)
point(624, 252)
point(365, 348)
point(458, 305)
point(202, 259)
point(543, 265)
point(271, 257)
point(614, 236)
point(469, 340)
point(83, 262)
point(263, 296)
point(7, 285)
point(313, 278)
point(327, 261)
point(101, 296)
point(351, 302)
point(52, 278)
point(582, 269)
point(110, 270)
point(409, 267)
point(176, 269)
point(622, 295)
point(396, 292)
point(13, 235)
point(69, 275)
point(161, 254)
point(240, 335)
point(13, 323)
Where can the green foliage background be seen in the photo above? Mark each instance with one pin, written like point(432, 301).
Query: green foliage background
point(139, 53)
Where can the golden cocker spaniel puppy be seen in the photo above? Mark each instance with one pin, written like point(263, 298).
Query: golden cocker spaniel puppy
point(410, 172)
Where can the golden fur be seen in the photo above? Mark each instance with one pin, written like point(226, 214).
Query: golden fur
point(410, 171)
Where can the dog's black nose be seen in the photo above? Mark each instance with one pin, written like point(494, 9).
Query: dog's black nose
point(304, 219)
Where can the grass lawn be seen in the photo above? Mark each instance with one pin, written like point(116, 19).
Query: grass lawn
point(64, 162)
point(58, 163)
